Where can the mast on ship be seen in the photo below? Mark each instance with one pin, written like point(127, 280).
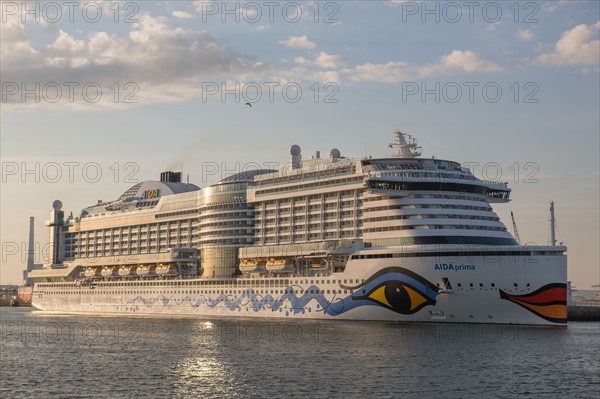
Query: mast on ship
point(406, 146)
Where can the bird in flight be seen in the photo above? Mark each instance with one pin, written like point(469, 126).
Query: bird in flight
point(248, 104)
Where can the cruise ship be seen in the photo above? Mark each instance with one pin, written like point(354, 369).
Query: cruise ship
point(402, 238)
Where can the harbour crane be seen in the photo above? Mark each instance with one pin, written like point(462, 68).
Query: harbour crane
point(515, 231)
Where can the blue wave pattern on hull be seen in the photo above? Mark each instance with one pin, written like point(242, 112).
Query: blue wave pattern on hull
point(394, 288)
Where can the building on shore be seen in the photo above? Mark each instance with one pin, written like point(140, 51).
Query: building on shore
point(24, 293)
point(31, 265)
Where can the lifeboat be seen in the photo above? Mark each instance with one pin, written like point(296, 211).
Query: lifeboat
point(252, 266)
point(318, 264)
point(91, 272)
point(126, 271)
point(281, 265)
point(109, 272)
point(146, 271)
point(167, 270)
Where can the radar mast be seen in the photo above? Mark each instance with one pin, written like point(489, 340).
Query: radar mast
point(406, 146)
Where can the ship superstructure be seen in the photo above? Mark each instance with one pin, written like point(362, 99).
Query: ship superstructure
point(399, 238)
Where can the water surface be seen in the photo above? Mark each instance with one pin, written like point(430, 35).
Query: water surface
point(47, 355)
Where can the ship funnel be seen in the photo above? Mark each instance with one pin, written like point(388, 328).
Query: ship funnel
point(296, 154)
point(170, 177)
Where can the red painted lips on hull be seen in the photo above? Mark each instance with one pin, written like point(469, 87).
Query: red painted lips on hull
point(548, 302)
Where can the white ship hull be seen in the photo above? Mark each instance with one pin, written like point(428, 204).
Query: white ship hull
point(501, 290)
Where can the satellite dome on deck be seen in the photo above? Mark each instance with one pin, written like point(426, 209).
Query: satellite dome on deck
point(57, 205)
point(295, 152)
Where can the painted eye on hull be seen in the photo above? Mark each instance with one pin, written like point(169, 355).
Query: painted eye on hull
point(399, 297)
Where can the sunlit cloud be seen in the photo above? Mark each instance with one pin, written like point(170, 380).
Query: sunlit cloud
point(298, 42)
point(575, 47)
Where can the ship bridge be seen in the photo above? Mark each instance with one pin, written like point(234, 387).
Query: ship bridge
point(402, 176)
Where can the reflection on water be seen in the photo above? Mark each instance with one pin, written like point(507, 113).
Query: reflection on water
point(201, 366)
point(46, 355)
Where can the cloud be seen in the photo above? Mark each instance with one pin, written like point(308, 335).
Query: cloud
point(301, 61)
point(182, 15)
point(468, 61)
point(391, 72)
point(261, 28)
point(328, 61)
point(525, 34)
point(298, 42)
point(170, 64)
point(394, 71)
point(16, 49)
point(205, 5)
point(325, 76)
point(396, 3)
point(167, 63)
point(321, 60)
point(492, 26)
point(575, 47)
point(551, 6)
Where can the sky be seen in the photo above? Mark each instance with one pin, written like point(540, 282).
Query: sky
point(99, 95)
